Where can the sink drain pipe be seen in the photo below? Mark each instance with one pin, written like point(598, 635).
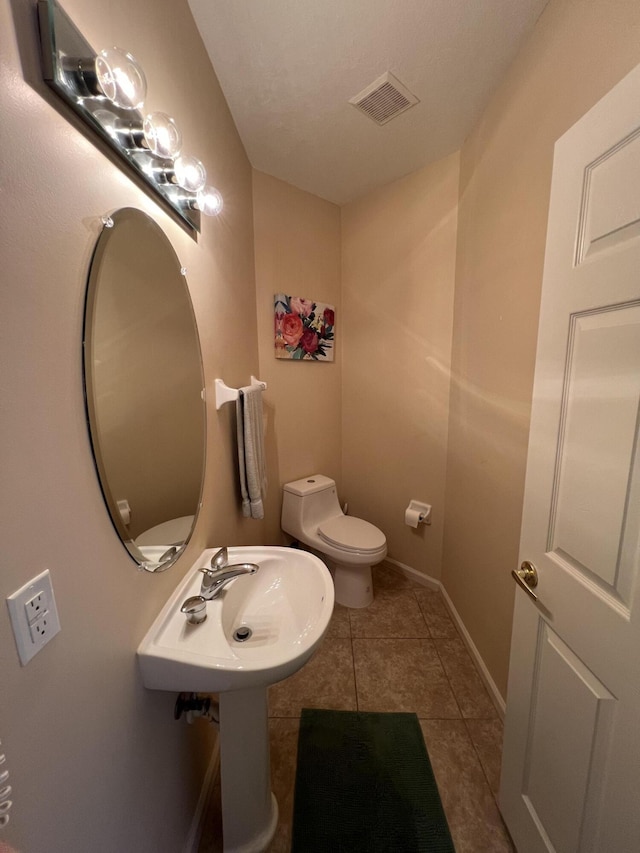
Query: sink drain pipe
point(194, 705)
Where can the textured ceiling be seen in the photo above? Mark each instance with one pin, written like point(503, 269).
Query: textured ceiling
point(289, 67)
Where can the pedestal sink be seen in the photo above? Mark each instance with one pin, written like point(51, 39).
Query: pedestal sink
point(287, 606)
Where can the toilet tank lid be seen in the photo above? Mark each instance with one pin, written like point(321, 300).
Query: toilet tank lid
point(309, 485)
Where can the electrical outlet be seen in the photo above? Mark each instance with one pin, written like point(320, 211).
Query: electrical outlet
point(34, 616)
point(39, 629)
point(36, 606)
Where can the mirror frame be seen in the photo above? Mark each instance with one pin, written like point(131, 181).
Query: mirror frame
point(169, 557)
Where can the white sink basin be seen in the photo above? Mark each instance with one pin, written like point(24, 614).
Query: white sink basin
point(287, 604)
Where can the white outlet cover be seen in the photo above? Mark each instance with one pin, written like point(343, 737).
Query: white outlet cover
point(28, 641)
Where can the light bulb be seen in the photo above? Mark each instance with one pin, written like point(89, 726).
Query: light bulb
point(190, 174)
point(162, 135)
point(121, 78)
point(209, 201)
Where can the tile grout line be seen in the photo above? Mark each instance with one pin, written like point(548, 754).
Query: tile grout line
point(446, 675)
point(484, 772)
point(424, 618)
point(466, 724)
point(467, 729)
point(444, 669)
point(481, 763)
point(353, 661)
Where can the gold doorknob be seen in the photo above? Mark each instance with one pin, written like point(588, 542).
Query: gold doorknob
point(526, 577)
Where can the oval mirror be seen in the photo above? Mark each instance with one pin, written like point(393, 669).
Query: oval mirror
point(143, 389)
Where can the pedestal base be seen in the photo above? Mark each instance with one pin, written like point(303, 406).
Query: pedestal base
point(249, 809)
point(353, 585)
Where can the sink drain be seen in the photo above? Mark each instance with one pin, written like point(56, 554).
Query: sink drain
point(241, 634)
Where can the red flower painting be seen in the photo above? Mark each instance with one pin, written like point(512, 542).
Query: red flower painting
point(304, 329)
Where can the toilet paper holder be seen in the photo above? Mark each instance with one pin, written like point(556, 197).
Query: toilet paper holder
point(417, 513)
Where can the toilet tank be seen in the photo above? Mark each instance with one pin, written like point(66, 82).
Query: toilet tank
point(308, 502)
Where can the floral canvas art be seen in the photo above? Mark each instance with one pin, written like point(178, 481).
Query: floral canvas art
point(304, 329)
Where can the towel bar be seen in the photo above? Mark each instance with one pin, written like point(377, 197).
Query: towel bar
point(224, 394)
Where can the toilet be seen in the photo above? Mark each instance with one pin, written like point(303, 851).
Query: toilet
point(311, 514)
point(173, 532)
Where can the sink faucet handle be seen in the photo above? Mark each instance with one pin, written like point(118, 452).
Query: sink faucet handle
point(195, 609)
point(220, 559)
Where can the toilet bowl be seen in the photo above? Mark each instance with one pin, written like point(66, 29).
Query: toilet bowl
point(311, 513)
point(173, 532)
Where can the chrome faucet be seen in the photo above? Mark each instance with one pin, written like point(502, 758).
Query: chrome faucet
point(220, 573)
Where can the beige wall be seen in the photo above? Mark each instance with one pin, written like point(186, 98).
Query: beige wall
point(97, 763)
point(297, 252)
point(398, 265)
point(577, 52)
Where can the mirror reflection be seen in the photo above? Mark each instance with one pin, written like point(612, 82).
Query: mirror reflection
point(144, 381)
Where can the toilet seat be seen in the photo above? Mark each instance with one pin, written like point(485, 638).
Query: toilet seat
point(351, 534)
point(172, 532)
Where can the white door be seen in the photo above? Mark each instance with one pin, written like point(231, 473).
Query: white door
point(571, 766)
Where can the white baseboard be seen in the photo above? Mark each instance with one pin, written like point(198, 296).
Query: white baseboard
point(489, 683)
point(432, 583)
point(195, 831)
point(414, 574)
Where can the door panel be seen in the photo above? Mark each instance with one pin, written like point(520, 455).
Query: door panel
point(571, 758)
point(597, 445)
point(567, 719)
point(610, 215)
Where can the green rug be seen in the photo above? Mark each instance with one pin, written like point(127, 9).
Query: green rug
point(364, 784)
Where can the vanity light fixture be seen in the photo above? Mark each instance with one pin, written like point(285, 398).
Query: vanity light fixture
point(107, 89)
point(209, 201)
point(162, 135)
point(189, 173)
point(121, 78)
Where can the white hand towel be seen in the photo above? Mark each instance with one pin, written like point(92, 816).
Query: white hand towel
point(251, 455)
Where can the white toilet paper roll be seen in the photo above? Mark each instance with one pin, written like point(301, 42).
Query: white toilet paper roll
point(412, 517)
point(125, 511)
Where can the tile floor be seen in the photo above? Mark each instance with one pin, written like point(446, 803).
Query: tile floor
point(403, 653)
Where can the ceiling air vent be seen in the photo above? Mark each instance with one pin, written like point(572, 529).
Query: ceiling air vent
point(384, 99)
